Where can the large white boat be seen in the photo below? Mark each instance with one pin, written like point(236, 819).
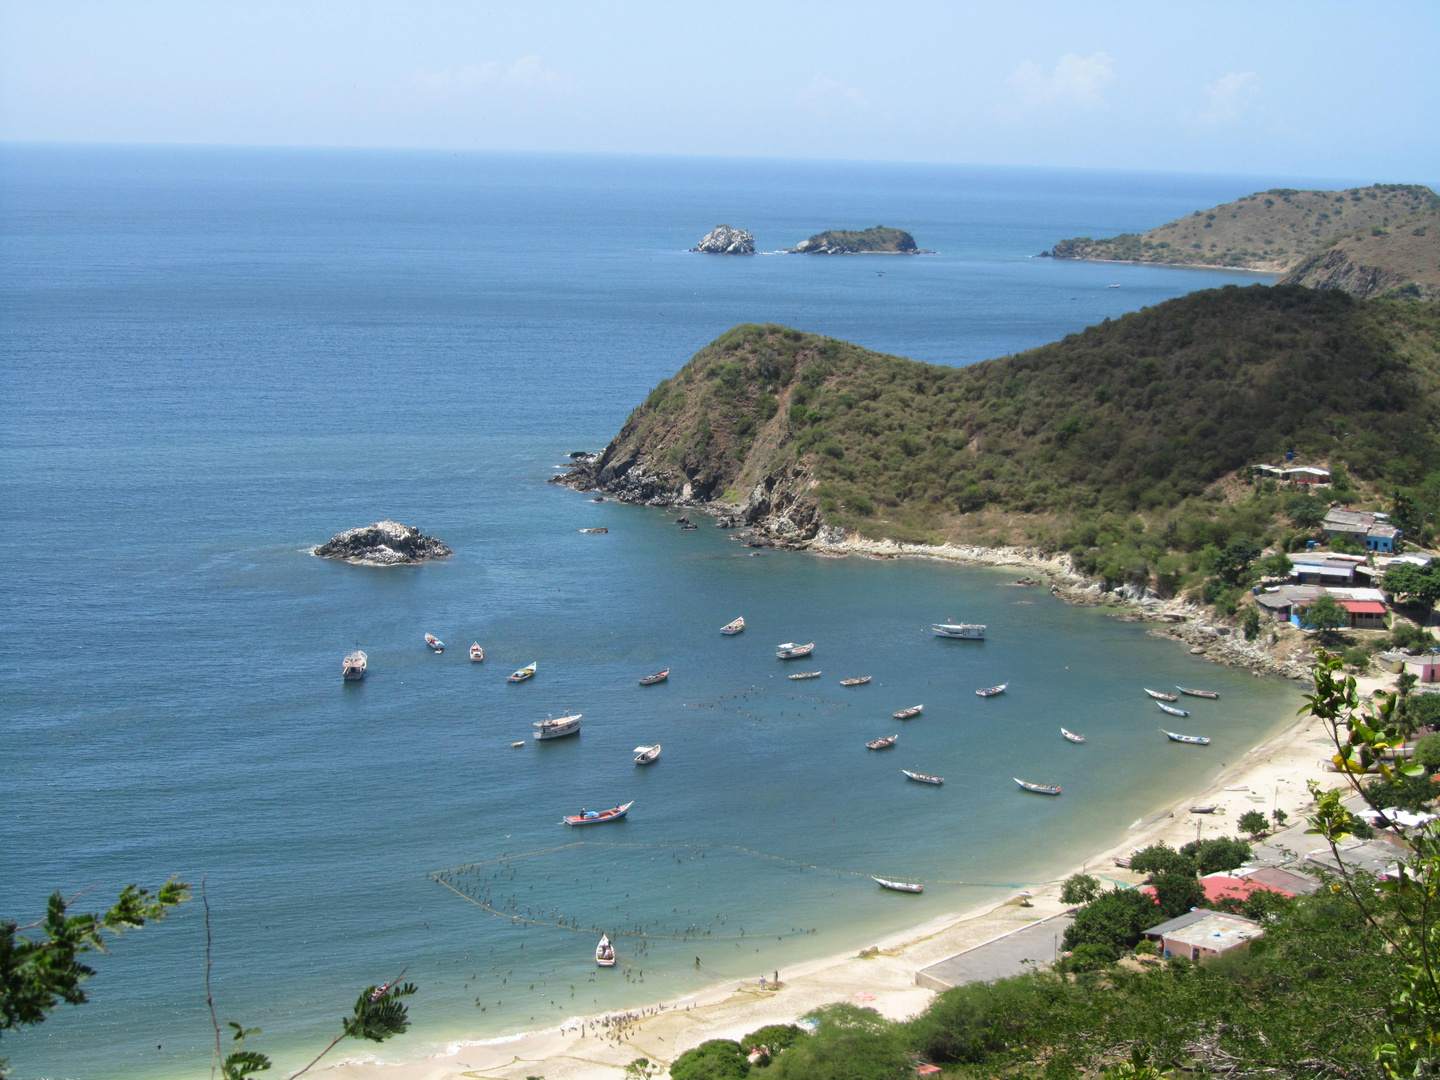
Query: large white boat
point(792, 651)
point(967, 631)
point(557, 727)
point(354, 668)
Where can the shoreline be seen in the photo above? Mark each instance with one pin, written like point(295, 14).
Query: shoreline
point(1168, 265)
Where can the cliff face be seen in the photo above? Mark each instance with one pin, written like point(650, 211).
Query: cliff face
point(1402, 258)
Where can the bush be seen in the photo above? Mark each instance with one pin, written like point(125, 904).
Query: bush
point(1079, 889)
point(1160, 859)
point(1218, 855)
point(774, 1037)
point(718, 1059)
point(851, 1043)
point(1114, 919)
point(1250, 623)
point(1090, 957)
point(1253, 822)
point(1357, 657)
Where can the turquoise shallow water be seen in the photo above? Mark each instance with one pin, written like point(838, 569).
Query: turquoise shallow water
point(216, 359)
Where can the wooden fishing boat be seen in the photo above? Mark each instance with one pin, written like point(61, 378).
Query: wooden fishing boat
point(557, 727)
point(733, 627)
point(991, 691)
point(1072, 736)
point(354, 667)
point(644, 755)
point(1204, 809)
point(791, 651)
point(906, 714)
point(923, 778)
point(963, 631)
point(604, 952)
point(898, 886)
point(1197, 693)
point(659, 676)
point(806, 675)
point(434, 643)
point(524, 673)
point(861, 681)
point(477, 654)
point(1172, 710)
point(599, 817)
point(1158, 696)
point(882, 744)
point(1039, 789)
point(1193, 740)
point(602, 529)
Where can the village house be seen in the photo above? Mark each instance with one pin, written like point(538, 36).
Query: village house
point(1202, 934)
point(1372, 530)
point(1307, 474)
point(1426, 667)
point(1287, 603)
point(1324, 567)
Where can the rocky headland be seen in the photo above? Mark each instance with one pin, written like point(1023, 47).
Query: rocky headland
point(1400, 260)
point(723, 240)
point(876, 241)
point(386, 543)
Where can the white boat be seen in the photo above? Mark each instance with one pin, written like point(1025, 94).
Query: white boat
point(644, 755)
point(557, 727)
point(991, 691)
point(898, 886)
point(967, 631)
point(1072, 736)
point(476, 652)
point(1198, 693)
point(1193, 740)
point(434, 643)
point(806, 675)
point(906, 714)
point(354, 667)
point(524, 673)
point(860, 681)
point(882, 744)
point(791, 651)
point(1039, 789)
point(1158, 696)
point(1172, 710)
point(733, 627)
point(923, 778)
point(598, 817)
point(604, 952)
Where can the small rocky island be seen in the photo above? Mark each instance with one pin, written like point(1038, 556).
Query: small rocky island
point(386, 543)
point(876, 241)
point(723, 240)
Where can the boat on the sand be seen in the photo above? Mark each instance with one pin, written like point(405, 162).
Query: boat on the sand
point(1158, 696)
point(1193, 740)
point(1197, 693)
point(963, 631)
point(861, 681)
point(805, 675)
point(1172, 710)
point(644, 755)
point(604, 952)
point(906, 714)
point(792, 651)
point(991, 691)
point(557, 727)
point(434, 643)
point(353, 668)
point(733, 627)
point(599, 817)
point(659, 676)
point(882, 744)
point(524, 673)
point(1210, 809)
point(923, 778)
point(1072, 736)
point(898, 886)
point(1039, 789)
point(476, 652)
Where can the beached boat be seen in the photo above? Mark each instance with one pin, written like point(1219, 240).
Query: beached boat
point(1193, 740)
point(1039, 789)
point(524, 673)
point(898, 886)
point(806, 675)
point(882, 744)
point(1158, 696)
point(923, 778)
point(354, 666)
point(476, 652)
point(434, 643)
point(1072, 736)
point(1172, 710)
point(733, 627)
point(659, 676)
point(557, 727)
point(1204, 809)
point(906, 714)
point(861, 681)
point(791, 651)
point(599, 817)
point(1197, 693)
point(644, 755)
point(604, 952)
point(964, 631)
point(991, 691)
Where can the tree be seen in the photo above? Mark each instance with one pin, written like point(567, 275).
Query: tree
point(1217, 855)
point(1306, 511)
point(1176, 893)
point(717, 1059)
point(1324, 614)
point(1233, 564)
point(1418, 584)
point(1253, 822)
point(1250, 622)
point(1160, 859)
point(850, 1043)
point(1280, 817)
point(1115, 919)
point(1277, 565)
point(1079, 889)
point(773, 1037)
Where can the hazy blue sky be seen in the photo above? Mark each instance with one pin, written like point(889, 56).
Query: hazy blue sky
point(1309, 88)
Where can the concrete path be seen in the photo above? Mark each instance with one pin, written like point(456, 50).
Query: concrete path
point(997, 959)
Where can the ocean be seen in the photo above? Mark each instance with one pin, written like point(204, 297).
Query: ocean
point(215, 359)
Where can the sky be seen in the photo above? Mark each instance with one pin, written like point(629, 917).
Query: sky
point(1314, 88)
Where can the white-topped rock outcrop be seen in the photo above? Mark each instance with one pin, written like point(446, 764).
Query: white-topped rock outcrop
point(386, 543)
point(723, 240)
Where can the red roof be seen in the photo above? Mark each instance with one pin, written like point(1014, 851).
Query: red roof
point(1218, 887)
point(1363, 607)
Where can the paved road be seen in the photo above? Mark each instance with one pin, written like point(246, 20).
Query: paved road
point(999, 958)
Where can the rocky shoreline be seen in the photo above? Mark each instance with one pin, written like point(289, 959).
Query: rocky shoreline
point(385, 543)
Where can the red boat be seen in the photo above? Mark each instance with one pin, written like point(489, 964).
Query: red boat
point(598, 817)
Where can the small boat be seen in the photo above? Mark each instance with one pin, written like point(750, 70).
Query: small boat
point(906, 714)
point(476, 652)
point(882, 744)
point(923, 778)
point(991, 691)
point(1072, 736)
point(644, 755)
point(806, 675)
point(604, 952)
point(602, 529)
point(1193, 740)
point(599, 817)
point(1172, 710)
point(898, 886)
point(965, 631)
point(731, 628)
point(434, 643)
point(354, 666)
point(1039, 789)
point(1204, 809)
point(1197, 693)
point(791, 651)
point(517, 745)
point(557, 727)
point(524, 673)
point(861, 681)
point(1158, 696)
point(659, 676)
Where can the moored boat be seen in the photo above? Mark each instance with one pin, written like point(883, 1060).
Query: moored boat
point(861, 681)
point(906, 714)
point(476, 652)
point(898, 886)
point(524, 673)
point(733, 627)
point(1197, 693)
point(604, 952)
point(659, 676)
point(1158, 696)
point(644, 755)
point(1193, 740)
point(806, 675)
point(434, 643)
point(1172, 710)
point(1039, 789)
point(923, 778)
point(599, 817)
point(882, 744)
point(791, 651)
point(354, 667)
point(965, 631)
point(557, 727)
point(1072, 736)
point(991, 691)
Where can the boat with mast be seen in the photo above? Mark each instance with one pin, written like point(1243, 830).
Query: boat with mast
point(557, 727)
point(734, 627)
point(353, 668)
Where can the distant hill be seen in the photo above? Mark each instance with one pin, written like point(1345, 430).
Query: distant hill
point(878, 241)
point(1399, 260)
point(1270, 230)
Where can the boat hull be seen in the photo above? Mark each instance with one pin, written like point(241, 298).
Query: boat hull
point(1038, 789)
point(601, 818)
point(651, 680)
point(1172, 710)
point(923, 778)
point(959, 631)
point(353, 669)
point(732, 628)
point(1211, 694)
point(794, 652)
point(899, 886)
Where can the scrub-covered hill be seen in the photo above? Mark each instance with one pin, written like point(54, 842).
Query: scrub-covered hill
point(1401, 260)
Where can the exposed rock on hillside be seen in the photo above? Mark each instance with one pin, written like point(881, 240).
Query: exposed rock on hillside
point(386, 543)
point(723, 240)
point(1402, 259)
point(876, 241)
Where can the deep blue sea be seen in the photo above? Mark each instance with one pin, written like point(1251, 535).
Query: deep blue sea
point(215, 359)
